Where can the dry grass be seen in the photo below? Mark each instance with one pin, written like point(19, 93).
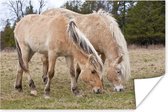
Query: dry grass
point(144, 63)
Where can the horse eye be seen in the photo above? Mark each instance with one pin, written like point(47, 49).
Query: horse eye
point(118, 71)
point(93, 71)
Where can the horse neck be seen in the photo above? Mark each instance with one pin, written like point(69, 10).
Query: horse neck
point(81, 58)
point(111, 51)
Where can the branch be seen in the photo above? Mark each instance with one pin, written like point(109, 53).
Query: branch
point(42, 4)
point(11, 6)
point(21, 7)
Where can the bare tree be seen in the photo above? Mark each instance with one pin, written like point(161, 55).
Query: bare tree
point(16, 7)
point(42, 4)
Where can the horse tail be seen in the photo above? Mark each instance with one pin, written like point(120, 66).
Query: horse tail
point(21, 63)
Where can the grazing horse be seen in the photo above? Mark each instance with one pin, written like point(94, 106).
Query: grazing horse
point(105, 35)
point(53, 37)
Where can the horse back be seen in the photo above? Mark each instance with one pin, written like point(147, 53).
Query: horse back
point(40, 32)
point(65, 12)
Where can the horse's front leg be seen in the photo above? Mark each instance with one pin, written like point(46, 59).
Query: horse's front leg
point(44, 59)
point(50, 73)
point(78, 71)
point(70, 63)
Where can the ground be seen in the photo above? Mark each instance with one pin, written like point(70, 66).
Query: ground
point(145, 63)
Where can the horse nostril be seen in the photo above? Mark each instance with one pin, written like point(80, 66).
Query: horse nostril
point(97, 90)
point(118, 88)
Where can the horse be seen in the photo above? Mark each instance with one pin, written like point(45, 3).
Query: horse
point(105, 35)
point(53, 37)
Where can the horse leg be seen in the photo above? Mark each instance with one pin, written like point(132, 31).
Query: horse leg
point(78, 71)
point(26, 56)
point(44, 59)
point(50, 73)
point(18, 83)
point(70, 63)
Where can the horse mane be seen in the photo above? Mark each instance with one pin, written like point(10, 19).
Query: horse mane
point(119, 37)
point(80, 40)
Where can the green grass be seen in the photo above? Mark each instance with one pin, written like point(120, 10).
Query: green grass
point(145, 63)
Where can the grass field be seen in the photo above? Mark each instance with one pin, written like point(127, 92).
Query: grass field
point(145, 63)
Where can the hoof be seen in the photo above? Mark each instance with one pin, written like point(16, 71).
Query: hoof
point(18, 88)
point(33, 92)
point(46, 96)
point(75, 91)
point(79, 95)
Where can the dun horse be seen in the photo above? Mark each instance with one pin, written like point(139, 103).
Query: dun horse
point(53, 37)
point(105, 35)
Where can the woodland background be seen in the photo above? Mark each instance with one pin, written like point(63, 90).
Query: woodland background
point(142, 22)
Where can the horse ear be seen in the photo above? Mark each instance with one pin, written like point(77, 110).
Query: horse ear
point(118, 60)
point(92, 61)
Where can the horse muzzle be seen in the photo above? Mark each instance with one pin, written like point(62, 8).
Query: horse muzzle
point(97, 90)
point(118, 88)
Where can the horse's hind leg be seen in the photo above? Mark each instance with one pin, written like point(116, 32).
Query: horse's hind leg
point(50, 73)
point(44, 59)
point(18, 84)
point(26, 58)
point(27, 55)
point(70, 63)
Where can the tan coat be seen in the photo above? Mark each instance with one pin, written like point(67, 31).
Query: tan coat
point(103, 32)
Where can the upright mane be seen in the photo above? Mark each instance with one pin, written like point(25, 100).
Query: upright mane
point(118, 36)
point(79, 39)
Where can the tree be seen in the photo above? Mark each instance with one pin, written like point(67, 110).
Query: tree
point(29, 9)
point(19, 8)
point(88, 7)
point(120, 10)
point(16, 8)
point(42, 4)
point(7, 36)
point(146, 23)
point(73, 5)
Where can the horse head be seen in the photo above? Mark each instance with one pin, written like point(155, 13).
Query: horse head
point(92, 74)
point(115, 74)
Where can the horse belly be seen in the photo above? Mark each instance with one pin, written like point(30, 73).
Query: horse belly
point(38, 45)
